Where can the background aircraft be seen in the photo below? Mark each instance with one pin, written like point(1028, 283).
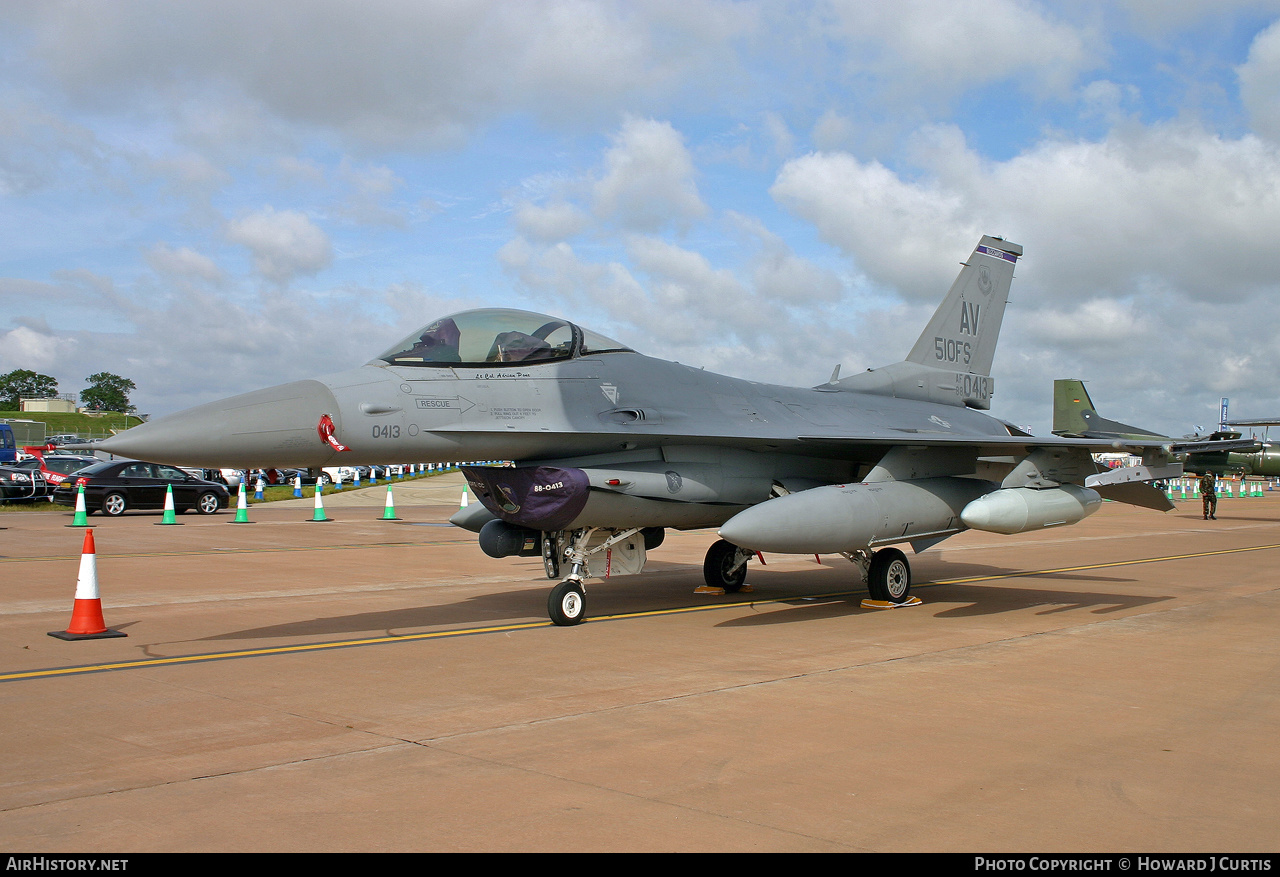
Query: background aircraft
point(1222, 452)
point(1265, 460)
point(611, 446)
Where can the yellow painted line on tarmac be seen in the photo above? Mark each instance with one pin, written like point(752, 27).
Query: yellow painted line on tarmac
point(263, 652)
point(530, 625)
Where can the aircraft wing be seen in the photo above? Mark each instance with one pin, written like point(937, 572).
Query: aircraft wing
point(1214, 445)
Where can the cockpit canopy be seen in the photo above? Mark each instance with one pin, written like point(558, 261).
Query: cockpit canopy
point(497, 335)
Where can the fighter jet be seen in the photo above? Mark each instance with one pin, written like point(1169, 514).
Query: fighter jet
point(1221, 452)
point(606, 447)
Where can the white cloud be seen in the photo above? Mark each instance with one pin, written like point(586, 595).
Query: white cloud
point(1260, 83)
point(369, 188)
point(284, 243)
point(183, 262)
point(938, 49)
point(31, 348)
point(37, 146)
point(382, 72)
point(778, 274)
point(648, 180)
point(833, 132)
point(1172, 201)
point(553, 222)
point(885, 223)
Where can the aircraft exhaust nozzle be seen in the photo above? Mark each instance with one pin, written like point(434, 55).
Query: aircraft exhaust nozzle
point(272, 427)
point(1021, 509)
point(850, 517)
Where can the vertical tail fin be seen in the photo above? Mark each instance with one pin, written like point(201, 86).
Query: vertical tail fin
point(951, 360)
point(1072, 407)
point(963, 332)
point(1075, 416)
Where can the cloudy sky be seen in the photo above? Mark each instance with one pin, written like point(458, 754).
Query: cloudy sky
point(209, 196)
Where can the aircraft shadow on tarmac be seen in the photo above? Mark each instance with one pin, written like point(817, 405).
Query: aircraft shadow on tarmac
point(980, 600)
point(819, 593)
point(1228, 519)
point(504, 607)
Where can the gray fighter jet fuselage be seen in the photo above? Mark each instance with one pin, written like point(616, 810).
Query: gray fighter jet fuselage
point(610, 446)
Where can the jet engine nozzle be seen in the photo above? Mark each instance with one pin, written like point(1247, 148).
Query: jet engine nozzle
point(1020, 509)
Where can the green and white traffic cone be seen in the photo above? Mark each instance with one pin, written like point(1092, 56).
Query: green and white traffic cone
point(169, 516)
point(81, 518)
point(389, 513)
point(242, 508)
point(319, 513)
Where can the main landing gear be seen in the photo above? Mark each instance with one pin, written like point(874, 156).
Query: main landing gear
point(726, 566)
point(887, 574)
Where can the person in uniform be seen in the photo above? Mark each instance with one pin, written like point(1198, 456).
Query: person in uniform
point(1209, 495)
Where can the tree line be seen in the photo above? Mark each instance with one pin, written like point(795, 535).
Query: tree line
point(106, 392)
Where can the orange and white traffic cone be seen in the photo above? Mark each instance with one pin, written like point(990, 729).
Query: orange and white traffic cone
point(86, 614)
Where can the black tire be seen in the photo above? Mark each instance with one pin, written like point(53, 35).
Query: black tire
point(889, 578)
point(715, 569)
point(114, 504)
point(208, 503)
point(567, 604)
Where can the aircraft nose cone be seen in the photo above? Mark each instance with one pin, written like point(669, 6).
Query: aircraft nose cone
point(271, 427)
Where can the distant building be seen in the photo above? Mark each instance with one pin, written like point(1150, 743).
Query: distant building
point(58, 404)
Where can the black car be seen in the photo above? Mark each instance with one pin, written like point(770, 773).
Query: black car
point(17, 482)
point(35, 478)
point(116, 486)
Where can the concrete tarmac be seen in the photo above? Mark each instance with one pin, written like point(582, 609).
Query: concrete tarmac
point(364, 685)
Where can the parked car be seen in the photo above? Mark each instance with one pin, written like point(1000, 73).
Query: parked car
point(57, 467)
point(21, 483)
point(50, 470)
point(116, 486)
point(36, 477)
